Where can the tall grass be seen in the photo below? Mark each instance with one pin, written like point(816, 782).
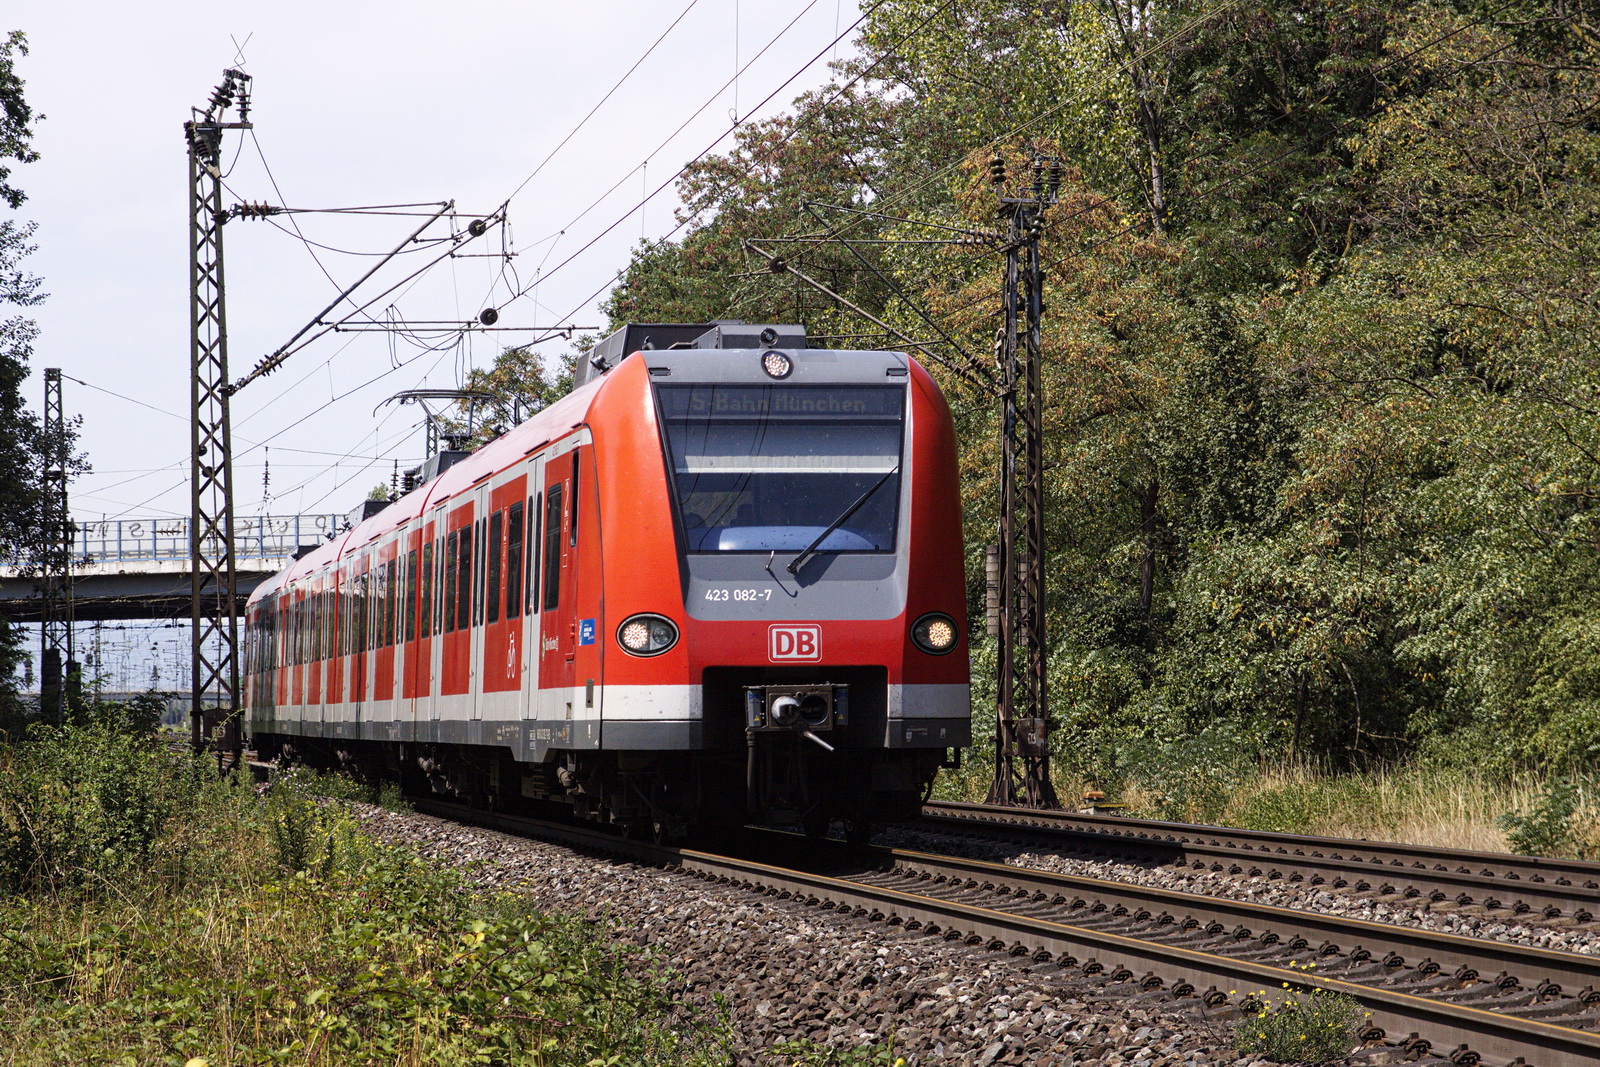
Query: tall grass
point(1421, 805)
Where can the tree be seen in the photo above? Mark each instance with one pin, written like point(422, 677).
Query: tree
point(19, 290)
point(519, 384)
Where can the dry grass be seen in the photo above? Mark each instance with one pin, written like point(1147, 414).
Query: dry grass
point(1412, 805)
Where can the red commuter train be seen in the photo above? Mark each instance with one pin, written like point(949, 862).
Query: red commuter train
point(721, 580)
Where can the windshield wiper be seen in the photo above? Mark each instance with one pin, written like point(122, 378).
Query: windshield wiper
point(811, 549)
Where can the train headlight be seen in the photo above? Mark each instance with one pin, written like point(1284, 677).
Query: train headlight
point(777, 365)
point(647, 635)
point(934, 633)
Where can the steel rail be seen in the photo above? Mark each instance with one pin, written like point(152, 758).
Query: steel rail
point(1181, 970)
point(1405, 946)
point(1553, 888)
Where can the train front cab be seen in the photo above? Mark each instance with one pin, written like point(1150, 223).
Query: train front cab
point(793, 691)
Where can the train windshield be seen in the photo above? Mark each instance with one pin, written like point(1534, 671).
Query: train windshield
point(763, 468)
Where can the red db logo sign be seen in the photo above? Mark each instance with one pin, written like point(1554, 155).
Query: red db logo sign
point(794, 644)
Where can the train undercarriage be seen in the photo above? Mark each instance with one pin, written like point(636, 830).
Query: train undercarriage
point(778, 778)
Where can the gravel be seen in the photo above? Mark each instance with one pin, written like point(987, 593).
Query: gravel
point(1560, 935)
point(787, 973)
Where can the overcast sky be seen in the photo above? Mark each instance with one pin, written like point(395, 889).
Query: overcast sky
point(355, 103)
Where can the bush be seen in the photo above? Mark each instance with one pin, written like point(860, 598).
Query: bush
point(1313, 1028)
point(84, 804)
point(1549, 827)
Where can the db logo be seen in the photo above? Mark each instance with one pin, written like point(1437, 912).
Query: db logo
point(789, 644)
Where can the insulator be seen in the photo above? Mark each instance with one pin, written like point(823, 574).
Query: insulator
point(488, 316)
point(1038, 180)
point(477, 227)
point(1055, 178)
point(997, 169)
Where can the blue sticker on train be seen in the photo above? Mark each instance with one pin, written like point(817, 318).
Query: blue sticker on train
point(586, 632)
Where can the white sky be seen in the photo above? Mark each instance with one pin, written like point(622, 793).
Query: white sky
point(354, 103)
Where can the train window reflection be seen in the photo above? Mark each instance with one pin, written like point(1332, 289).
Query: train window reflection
point(761, 468)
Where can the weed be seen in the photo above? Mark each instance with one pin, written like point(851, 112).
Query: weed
point(1308, 1028)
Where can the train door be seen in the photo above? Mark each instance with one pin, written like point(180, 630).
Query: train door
point(436, 630)
point(360, 634)
point(383, 609)
point(418, 642)
point(338, 586)
point(479, 571)
point(299, 670)
point(558, 627)
point(405, 626)
point(501, 662)
point(456, 666)
point(280, 659)
point(314, 666)
point(533, 524)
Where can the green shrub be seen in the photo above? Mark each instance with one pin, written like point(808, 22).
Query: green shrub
point(83, 804)
point(310, 833)
point(1549, 826)
point(1312, 1028)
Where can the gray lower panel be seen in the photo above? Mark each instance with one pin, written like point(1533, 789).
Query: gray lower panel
point(529, 741)
point(929, 733)
point(532, 740)
point(673, 736)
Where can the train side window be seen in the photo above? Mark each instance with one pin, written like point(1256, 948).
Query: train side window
point(514, 560)
point(464, 580)
point(411, 596)
point(439, 622)
point(572, 532)
point(380, 590)
point(552, 547)
point(492, 568)
point(481, 530)
point(368, 580)
point(388, 605)
point(535, 503)
point(425, 600)
point(452, 553)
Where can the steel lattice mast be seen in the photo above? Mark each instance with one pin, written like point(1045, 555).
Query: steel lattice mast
point(57, 665)
point(214, 636)
point(1022, 720)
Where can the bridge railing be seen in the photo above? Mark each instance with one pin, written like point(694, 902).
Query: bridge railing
point(146, 540)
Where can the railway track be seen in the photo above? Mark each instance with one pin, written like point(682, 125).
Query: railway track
point(1560, 892)
point(1463, 1000)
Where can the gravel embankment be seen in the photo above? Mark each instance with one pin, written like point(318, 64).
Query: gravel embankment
point(1499, 927)
point(788, 973)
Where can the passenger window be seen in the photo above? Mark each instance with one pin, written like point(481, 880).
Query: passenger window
point(572, 532)
point(410, 610)
point(425, 605)
point(452, 556)
point(552, 547)
point(514, 560)
point(534, 517)
point(477, 572)
point(464, 580)
point(492, 564)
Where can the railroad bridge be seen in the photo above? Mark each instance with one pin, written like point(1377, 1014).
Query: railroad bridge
point(141, 568)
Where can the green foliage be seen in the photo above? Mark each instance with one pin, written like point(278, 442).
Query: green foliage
point(1549, 826)
point(16, 117)
point(83, 805)
point(1319, 363)
point(1190, 779)
point(1311, 1028)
